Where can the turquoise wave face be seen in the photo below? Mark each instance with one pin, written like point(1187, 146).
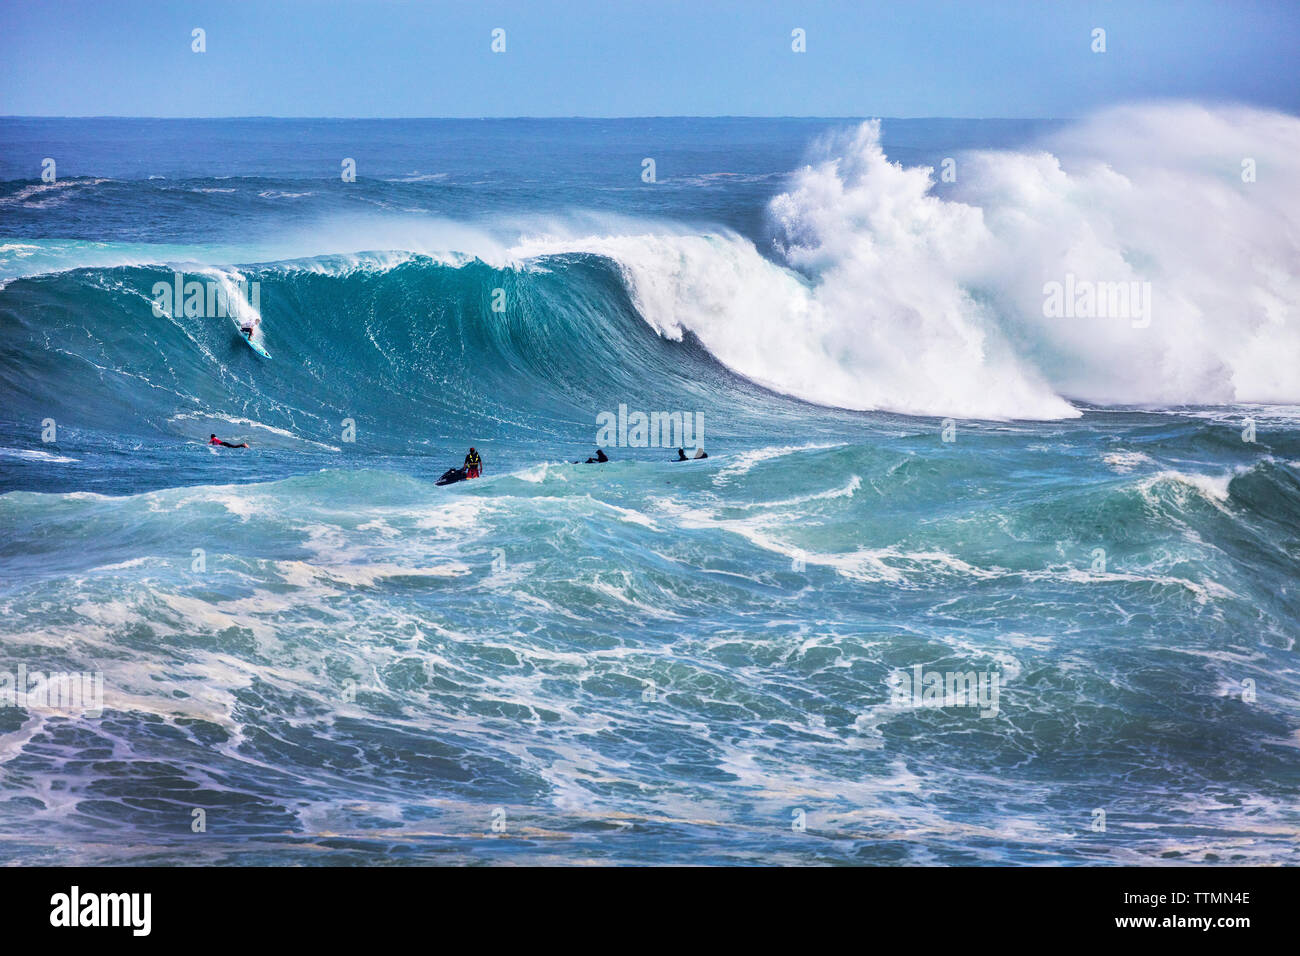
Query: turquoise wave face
point(414, 355)
point(843, 637)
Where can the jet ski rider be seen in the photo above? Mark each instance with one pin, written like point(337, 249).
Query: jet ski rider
point(473, 464)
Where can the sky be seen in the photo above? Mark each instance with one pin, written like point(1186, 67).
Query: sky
point(387, 58)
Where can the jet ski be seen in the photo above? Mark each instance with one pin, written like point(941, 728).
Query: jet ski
point(452, 475)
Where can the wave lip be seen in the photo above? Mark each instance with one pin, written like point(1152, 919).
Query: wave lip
point(882, 288)
point(894, 292)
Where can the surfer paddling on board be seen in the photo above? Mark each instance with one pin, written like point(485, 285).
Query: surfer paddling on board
point(214, 440)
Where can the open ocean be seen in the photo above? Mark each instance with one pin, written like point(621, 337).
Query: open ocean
point(312, 654)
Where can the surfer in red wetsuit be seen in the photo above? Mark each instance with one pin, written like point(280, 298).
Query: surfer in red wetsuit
point(214, 440)
point(473, 464)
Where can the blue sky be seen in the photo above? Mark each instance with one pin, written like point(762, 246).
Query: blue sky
point(384, 58)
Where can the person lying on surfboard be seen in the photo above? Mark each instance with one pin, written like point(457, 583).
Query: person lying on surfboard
point(214, 440)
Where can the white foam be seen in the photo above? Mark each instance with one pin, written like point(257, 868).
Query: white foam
point(302, 574)
point(900, 298)
point(743, 462)
point(32, 454)
point(894, 293)
point(20, 249)
point(417, 177)
point(43, 195)
point(1125, 461)
point(1212, 487)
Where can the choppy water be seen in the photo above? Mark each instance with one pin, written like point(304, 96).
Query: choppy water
point(337, 661)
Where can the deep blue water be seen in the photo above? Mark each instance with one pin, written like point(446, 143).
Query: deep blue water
point(644, 661)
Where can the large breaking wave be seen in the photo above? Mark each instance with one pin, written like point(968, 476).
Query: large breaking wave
point(894, 291)
point(882, 288)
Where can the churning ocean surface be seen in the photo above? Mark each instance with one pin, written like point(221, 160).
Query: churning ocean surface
point(337, 661)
